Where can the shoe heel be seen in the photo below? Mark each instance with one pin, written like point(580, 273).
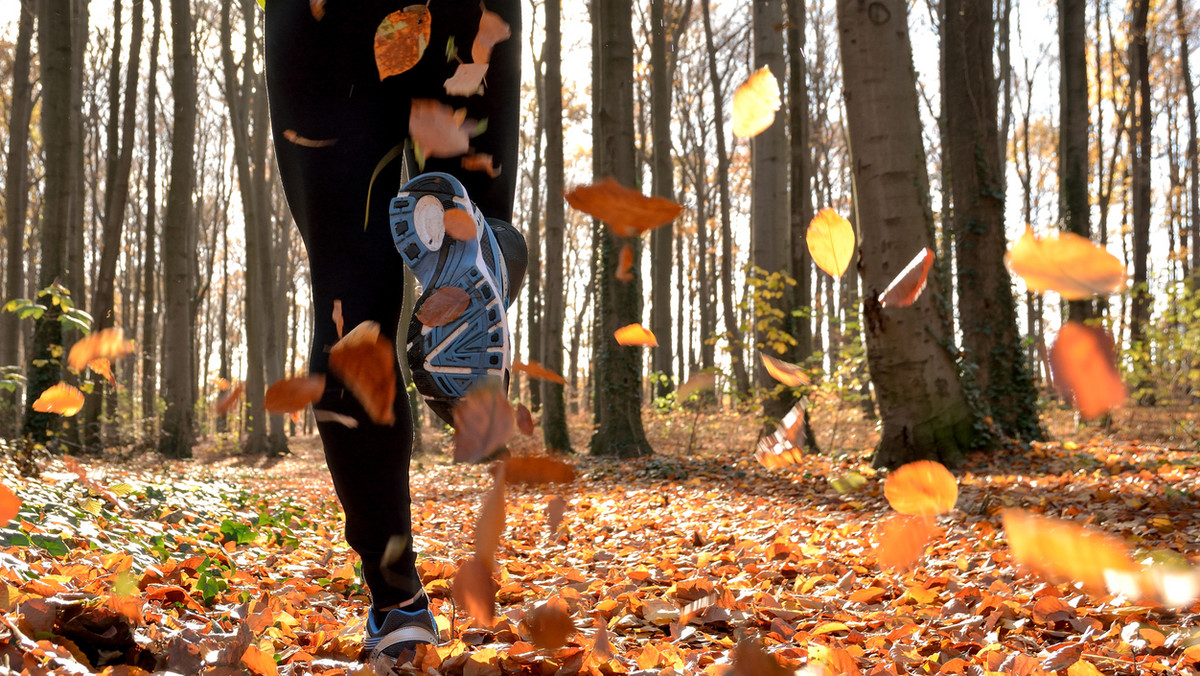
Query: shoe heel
point(414, 243)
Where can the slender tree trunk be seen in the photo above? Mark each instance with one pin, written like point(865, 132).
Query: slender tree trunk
point(533, 275)
point(1193, 159)
point(924, 410)
point(177, 434)
point(1139, 83)
point(801, 207)
point(16, 206)
point(733, 332)
point(663, 185)
point(1073, 130)
point(149, 276)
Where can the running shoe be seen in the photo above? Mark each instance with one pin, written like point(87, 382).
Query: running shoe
point(400, 631)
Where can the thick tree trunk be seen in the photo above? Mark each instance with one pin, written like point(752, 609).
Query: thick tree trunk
point(986, 307)
point(149, 276)
point(663, 185)
point(618, 369)
point(178, 250)
point(16, 203)
point(1139, 83)
point(554, 411)
point(924, 409)
point(1073, 130)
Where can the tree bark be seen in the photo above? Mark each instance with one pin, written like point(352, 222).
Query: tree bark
point(618, 369)
point(149, 276)
point(801, 207)
point(662, 185)
point(924, 410)
point(1193, 159)
point(533, 274)
point(1073, 131)
point(1139, 83)
point(177, 437)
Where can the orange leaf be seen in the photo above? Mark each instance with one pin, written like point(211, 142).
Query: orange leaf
point(524, 420)
point(104, 344)
point(365, 362)
point(902, 540)
point(492, 30)
point(830, 242)
point(489, 526)
point(923, 488)
point(337, 317)
point(554, 513)
point(62, 398)
point(459, 224)
point(908, 285)
point(785, 372)
point(536, 370)
point(480, 162)
point(484, 420)
point(625, 264)
point(1085, 371)
point(699, 382)
point(10, 504)
point(438, 130)
point(317, 7)
point(1074, 266)
point(550, 624)
point(103, 368)
point(785, 445)
point(291, 135)
point(443, 306)
point(259, 662)
point(627, 212)
point(230, 399)
point(475, 591)
point(755, 103)
point(401, 39)
point(293, 394)
point(635, 334)
point(467, 79)
point(749, 659)
point(537, 469)
point(1063, 551)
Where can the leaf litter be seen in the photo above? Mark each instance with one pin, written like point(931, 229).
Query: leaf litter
point(681, 563)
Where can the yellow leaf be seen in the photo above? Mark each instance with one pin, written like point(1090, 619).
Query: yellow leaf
point(755, 103)
point(62, 398)
point(1073, 266)
point(922, 488)
point(635, 334)
point(830, 242)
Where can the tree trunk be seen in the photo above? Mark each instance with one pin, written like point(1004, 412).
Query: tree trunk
point(176, 441)
point(986, 307)
point(618, 369)
point(733, 333)
point(149, 276)
point(801, 207)
point(1073, 131)
point(16, 203)
point(533, 274)
point(924, 410)
point(1193, 159)
point(1139, 83)
point(663, 185)
point(554, 411)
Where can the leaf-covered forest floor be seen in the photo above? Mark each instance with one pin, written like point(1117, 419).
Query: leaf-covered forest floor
point(232, 565)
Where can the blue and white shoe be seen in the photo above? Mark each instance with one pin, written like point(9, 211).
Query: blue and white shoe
point(446, 361)
point(400, 631)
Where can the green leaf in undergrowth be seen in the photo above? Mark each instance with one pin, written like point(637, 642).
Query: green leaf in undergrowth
point(209, 584)
point(236, 531)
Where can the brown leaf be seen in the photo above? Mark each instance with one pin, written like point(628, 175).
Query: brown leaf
point(699, 382)
point(294, 394)
point(902, 540)
point(627, 212)
point(62, 399)
point(536, 370)
point(922, 488)
point(401, 39)
point(337, 317)
point(107, 344)
point(1085, 372)
point(550, 624)
point(524, 420)
point(492, 30)
point(490, 524)
point(785, 372)
point(625, 264)
point(554, 513)
point(317, 7)
point(467, 80)
point(480, 162)
point(532, 470)
point(443, 306)
point(365, 362)
point(438, 130)
point(635, 334)
point(484, 420)
point(230, 399)
point(908, 285)
point(459, 224)
point(749, 659)
point(755, 103)
point(291, 135)
point(475, 591)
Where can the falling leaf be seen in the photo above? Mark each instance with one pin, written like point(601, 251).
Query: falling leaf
point(524, 420)
point(480, 162)
point(230, 399)
point(625, 264)
point(902, 540)
point(443, 306)
point(62, 398)
point(1074, 266)
point(554, 513)
point(627, 212)
point(1064, 551)
point(923, 488)
point(10, 504)
point(755, 103)
point(787, 373)
point(475, 591)
point(635, 334)
point(439, 130)
point(103, 368)
point(365, 362)
point(222, 384)
point(699, 382)
point(830, 242)
point(107, 344)
point(848, 483)
point(337, 317)
point(492, 30)
point(773, 454)
point(749, 659)
point(532, 470)
point(291, 135)
point(1085, 372)
point(460, 225)
point(317, 7)
point(536, 370)
point(401, 39)
point(490, 524)
point(467, 80)
point(550, 624)
point(293, 394)
point(908, 285)
point(484, 421)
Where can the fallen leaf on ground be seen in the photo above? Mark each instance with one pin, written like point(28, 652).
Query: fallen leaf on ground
point(63, 399)
point(401, 39)
point(1084, 365)
point(293, 394)
point(364, 361)
point(921, 488)
point(627, 212)
point(1074, 266)
point(908, 285)
point(484, 421)
point(443, 306)
point(755, 103)
point(830, 241)
point(635, 334)
point(107, 344)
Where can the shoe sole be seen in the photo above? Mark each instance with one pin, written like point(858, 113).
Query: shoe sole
point(446, 361)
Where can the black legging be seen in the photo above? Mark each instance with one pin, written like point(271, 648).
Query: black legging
point(323, 85)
